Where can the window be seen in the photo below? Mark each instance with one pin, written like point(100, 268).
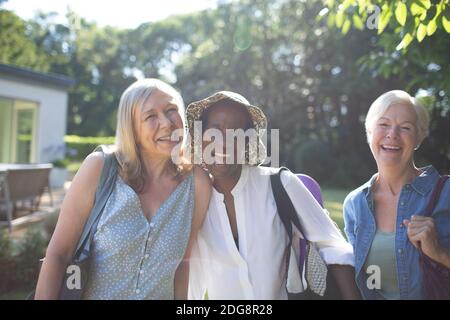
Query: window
point(17, 131)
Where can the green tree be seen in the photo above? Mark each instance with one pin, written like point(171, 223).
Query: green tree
point(16, 47)
point(409, 19)
point(411, 41)
point(91, 55)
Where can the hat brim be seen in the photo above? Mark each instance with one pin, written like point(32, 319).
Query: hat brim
point(196, 109)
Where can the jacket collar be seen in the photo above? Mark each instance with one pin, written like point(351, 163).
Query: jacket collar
point(422, 184)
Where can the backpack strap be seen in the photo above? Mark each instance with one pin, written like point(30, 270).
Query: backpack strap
point(104, 189)
point(286, 209)
point(435, 196)
point(288, 216)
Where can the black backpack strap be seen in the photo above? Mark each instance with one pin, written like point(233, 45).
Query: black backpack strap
point(286, 209)
point(104, 189)
point(283, 205)
point(288, 216)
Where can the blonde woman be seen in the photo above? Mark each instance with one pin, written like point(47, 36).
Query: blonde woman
point(384, 218)
point(147, 227)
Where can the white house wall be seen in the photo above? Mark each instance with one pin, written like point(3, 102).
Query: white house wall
point(51, 112)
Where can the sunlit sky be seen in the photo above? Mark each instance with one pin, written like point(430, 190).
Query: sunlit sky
point(123, 14)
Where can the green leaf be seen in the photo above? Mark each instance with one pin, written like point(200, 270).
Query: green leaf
point(446, 24)
point(405, 42)
point(439, 9)
point(417, 10)
point(357, 22)
point(331, 20)
point(431, 28)
point(340, 18)
point(426, 3)
point(361, 8)
point(346, 4)
point(346, 26)
point(400, 13)
point(416, 23)
point(384, 19)
point(330, 3)
point(421, 32)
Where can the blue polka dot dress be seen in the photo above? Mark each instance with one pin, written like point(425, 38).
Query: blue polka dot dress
point(133, 258)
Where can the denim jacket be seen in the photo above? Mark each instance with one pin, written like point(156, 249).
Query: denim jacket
point(360, 229)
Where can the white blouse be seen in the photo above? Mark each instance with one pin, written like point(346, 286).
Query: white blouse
point(218, 270)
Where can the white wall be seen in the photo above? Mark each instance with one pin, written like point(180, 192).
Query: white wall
point(51, 113)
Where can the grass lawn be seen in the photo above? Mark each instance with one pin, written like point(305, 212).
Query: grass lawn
point(20, 294)
point(334, 199)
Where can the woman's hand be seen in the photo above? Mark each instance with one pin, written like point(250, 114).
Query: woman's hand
point(422, 234)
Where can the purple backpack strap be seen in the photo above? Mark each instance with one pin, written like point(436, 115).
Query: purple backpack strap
point(302, 257)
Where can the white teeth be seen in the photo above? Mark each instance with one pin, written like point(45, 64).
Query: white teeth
point(390, 147)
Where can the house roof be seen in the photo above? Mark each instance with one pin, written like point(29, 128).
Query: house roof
point(28, 74)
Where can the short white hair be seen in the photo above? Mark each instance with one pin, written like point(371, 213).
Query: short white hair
point(395, 97)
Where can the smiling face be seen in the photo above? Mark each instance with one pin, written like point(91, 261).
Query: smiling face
point(222, 116)
point(156, 120)
point(395, 136)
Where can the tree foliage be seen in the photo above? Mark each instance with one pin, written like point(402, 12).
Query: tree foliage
point(314, 81)
point(409, 19)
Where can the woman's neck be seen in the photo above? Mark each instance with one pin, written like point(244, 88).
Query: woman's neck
point(225, 184)
point(393, 179)
point(156, 167)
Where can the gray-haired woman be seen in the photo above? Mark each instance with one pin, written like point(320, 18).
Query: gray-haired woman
point(384, 218)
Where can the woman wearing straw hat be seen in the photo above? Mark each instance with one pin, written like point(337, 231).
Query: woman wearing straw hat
point(240, 252)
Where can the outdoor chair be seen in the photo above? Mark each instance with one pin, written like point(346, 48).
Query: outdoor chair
point(22, 187)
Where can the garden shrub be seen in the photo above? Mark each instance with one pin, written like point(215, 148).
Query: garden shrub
point(85, 145)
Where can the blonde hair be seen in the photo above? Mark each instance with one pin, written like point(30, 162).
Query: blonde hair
point(390, 98)
point(126, 148)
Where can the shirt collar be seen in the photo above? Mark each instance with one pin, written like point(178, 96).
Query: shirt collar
point(239, 185)
point(423, 183)
point(367, 187)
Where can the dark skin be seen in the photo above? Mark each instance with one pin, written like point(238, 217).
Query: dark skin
point(227, 115)
point(222, 116)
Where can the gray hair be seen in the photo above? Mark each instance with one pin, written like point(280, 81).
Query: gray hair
point(390, 98)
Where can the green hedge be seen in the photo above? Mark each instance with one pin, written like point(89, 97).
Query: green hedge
point(19, 261)
point(84, 145)
point(19, 258)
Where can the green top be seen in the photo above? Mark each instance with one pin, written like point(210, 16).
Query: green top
point(382, 254)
